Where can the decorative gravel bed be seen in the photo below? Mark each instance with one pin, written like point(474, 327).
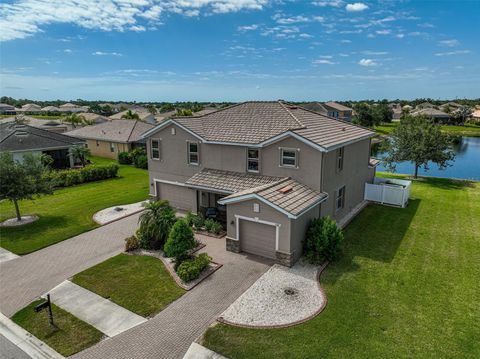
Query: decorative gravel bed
point(281, 297)
point(113, 213)
point(13, 222)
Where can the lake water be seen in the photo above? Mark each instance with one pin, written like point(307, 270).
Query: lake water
point(465, 166)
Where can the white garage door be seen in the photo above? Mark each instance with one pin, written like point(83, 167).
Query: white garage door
point(257, 238)
point(178, 196)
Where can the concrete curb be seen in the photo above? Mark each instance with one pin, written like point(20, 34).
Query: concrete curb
point(197, 351)
point(28, 343)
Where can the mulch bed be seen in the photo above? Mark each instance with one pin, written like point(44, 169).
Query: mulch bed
point(169, 264)
point(209, 234)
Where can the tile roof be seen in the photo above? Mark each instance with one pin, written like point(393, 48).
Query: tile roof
point(46, 124)
point(228, 181)
point(287, 194)
point(337, 106)
point(141, 114)
point(256, 122)
point(431, 112)
point(15, 137)
point(115, 131)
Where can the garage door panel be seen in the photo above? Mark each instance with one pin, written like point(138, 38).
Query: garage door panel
point(178, 196)
point(257, 238)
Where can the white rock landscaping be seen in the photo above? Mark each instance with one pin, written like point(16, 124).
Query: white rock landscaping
point(281, 297)
point(116, 212)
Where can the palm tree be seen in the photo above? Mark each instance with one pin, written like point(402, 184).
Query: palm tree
point(74, 119)
point(79, 152)
point(130, 115)
point(155, 224)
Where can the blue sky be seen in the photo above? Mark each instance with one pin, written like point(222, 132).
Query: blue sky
point(235, 50)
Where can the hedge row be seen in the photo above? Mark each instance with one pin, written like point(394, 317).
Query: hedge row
point(66, 178)
point(191, 269)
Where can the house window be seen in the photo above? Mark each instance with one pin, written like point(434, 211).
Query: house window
point(192, 148)
point(252, 160)
point(340, 199)
point(155, 149)
point(340, 156)
point(288, 157)
point(112, 147)
point(97, 143)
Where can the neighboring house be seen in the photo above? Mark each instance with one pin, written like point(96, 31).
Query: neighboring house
point(475, 115)
point(96, 118)
point(266, 169)
point(45, 124)
point(144, 116)
point(50, 109)
point(332, 109)
point(110, 138)
point(433, 113)
point(30, 107)
point(70, 107)
point(424, 105)
point(450, 106)
point(22, 139)
point(6, 109)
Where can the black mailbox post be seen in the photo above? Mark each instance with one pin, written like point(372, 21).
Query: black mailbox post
point(46, 305)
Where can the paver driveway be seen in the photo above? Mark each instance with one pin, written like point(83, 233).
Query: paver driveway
point(170, 333)
point(26, 278)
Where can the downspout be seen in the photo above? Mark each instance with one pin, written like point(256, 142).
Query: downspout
point(321, 181)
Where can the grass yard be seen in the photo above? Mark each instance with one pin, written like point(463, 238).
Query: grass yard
point(69, 211)
point(141, 284)
point(407, 286)
point(72, 335)
point(467, 130)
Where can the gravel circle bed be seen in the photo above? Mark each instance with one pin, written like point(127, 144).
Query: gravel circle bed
point(13, 222)
point(116, 212)
point(281, 297)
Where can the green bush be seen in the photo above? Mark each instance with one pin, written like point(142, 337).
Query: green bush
point(155, 224)
point(131, 243)
point(213, 226)
point(141, 162)
point(322, 240)
point(189, 217)
point(124, 158)
point(70, 177)
point(198, 221)
point(179, 242)
point(191, 269)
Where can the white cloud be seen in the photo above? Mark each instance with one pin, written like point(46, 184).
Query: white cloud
point(22, 18)
point(383, 32)
point(323, 62)
point(355, 7)
point(67, 51)
point(345, 41)
point(282, 20)
point(452, 53)
point(449, 43)
point(333, 3)
point(367, 62)
point(400, 36)
point(247, 27)
point(102, 53)
point(374, 53)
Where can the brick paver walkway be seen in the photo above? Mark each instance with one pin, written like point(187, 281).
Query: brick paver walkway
point(24, 279)
point(170, 333)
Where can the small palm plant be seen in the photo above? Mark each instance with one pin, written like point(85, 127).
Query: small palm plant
point(79, 152)
point(130, 115)
point(74, 119)
point(155, 224)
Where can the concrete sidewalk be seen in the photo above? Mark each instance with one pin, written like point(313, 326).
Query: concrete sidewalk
point(24, 279)
point(6, 256)
point(108, 317)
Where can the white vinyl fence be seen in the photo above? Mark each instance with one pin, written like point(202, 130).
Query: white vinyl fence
point(388, 191)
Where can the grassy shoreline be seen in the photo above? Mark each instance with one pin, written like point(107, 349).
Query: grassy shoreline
point(470, 131)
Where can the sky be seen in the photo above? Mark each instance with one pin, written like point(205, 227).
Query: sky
point(236, 50)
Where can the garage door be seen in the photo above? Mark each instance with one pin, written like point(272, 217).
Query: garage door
point(257, 238)
point(178, 196)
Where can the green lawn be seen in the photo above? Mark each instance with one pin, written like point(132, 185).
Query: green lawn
point(141, 284)
point(407, 286)
point(69, 211)
point(72, 335)
point(473, 131)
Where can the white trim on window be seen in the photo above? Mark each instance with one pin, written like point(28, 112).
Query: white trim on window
point(192, 154)
point(340, 199)
point(154, 149)
point(252, 160)
point(286, 157)
point(340, 158)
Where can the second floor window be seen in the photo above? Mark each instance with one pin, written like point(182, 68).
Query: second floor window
point(288, 157)
point(253, 160)
point(192, 156)
point(155, 150)
point(340, 156)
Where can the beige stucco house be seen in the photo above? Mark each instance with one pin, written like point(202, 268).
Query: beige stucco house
point(110, 138)
point(267, 167)
point(331, 109)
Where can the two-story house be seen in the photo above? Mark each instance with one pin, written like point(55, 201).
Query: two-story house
point(267, 167)
point(331, 109)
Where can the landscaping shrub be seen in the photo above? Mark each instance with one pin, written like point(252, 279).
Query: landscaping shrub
point(179, 242)
point(322, 240)
point(191, 269)
point(212, 226)
point(70, 177)
point(198, 221)
point(124, 158)
point(131, 243)
point(141, 162)
point(155, 224)
point(189, 217)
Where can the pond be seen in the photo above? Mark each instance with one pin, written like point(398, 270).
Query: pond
point(465, 166)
